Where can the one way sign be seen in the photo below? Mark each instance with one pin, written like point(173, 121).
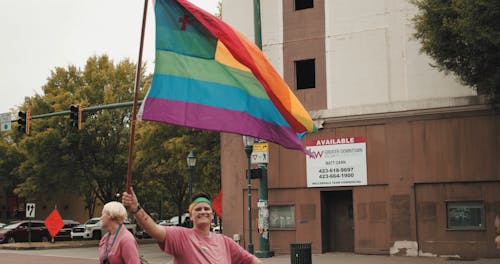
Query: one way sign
point(30, 210)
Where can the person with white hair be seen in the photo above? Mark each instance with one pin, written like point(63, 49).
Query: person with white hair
point(118, 246)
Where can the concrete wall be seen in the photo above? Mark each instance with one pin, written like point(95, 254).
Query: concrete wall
point(370, 54)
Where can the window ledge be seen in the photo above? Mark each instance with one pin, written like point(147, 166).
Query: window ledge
point(467, 229)
point(282, 229)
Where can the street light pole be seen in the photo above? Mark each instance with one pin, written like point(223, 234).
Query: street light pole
point(248, 143)
point(191, 162)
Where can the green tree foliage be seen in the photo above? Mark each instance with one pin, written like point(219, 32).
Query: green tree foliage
point(11, 157)
point(463, 37)
point(161, 164)
point(91, 161)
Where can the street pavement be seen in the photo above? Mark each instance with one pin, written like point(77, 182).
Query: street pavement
point(88, 254)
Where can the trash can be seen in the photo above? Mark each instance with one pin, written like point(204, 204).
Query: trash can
point(300, 253)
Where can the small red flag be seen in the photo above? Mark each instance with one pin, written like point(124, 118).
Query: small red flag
point(54, 223)
point(217, 204)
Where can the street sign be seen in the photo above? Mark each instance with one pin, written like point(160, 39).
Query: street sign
point(30, 210)
point(260, 157)
point(261, 147)
point(255, 173)
point(5, 122)
point(54, 223)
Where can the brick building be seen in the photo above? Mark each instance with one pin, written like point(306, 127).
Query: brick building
point(431, 146)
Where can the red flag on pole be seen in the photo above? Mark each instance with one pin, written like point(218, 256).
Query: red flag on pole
point(217, 204)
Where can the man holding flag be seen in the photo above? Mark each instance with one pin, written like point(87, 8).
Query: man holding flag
point(209, 76)
point(191, 245)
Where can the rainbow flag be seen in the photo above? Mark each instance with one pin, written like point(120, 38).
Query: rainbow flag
point(209, 76)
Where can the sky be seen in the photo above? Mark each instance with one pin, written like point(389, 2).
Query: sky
point(39, 35)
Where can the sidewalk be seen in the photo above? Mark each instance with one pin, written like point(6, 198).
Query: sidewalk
point(86, 249)
point(346, 258)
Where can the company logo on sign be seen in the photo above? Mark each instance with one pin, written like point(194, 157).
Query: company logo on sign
point(315, 154)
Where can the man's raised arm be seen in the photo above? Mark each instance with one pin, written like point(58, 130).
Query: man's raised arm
point(156, 231)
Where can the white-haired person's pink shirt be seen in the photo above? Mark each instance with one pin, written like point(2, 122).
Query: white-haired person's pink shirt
point(118, 246)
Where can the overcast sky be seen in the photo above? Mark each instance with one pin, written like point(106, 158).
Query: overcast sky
point(38, 35)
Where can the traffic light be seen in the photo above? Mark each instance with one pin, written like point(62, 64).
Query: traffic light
point(24, 122)
point(76, 116)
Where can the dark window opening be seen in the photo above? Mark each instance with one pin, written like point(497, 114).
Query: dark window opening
point(282, 216)
point(305, 74)
point(303, 4)
point(465, 215)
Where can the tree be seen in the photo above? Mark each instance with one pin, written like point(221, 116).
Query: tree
point(11, 158)
point(92, 161)
point(161, 162)
point(463, 37)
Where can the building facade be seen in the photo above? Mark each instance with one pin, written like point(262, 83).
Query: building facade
point(430, 145)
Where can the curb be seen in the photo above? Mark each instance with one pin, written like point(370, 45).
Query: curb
point(59, 244)
point(46, 245)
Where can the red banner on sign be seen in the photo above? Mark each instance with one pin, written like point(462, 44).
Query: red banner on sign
point(335, 141)
point(54, 223)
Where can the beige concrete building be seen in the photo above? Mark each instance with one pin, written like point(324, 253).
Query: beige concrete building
point(430, 145)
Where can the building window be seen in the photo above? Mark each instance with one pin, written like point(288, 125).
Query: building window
point(465, 215)
point(282, 216)
point(303, 4)
point(305, 74)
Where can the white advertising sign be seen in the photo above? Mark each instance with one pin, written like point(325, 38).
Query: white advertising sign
point(336, 162)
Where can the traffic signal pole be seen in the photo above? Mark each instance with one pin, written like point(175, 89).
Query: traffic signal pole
point(88, 109)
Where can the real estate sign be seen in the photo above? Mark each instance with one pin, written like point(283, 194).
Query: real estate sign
point(336, 162)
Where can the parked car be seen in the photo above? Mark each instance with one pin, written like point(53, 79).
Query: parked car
point(164, 222)
point(175, 220)
point(88, 230)
point(2, 225)
point(217, 229)
point(92, 229)
point(141, 233)
point(65, 232)
point(18, 232)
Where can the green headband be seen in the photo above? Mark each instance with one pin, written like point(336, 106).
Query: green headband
point(202, 200)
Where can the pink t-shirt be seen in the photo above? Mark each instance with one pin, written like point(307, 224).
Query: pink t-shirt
point(187, 246)
point(124, 251)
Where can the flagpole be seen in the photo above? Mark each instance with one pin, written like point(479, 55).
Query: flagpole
point(136, 95)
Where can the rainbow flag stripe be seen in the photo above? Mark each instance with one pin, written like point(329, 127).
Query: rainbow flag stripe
point(209, 76)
